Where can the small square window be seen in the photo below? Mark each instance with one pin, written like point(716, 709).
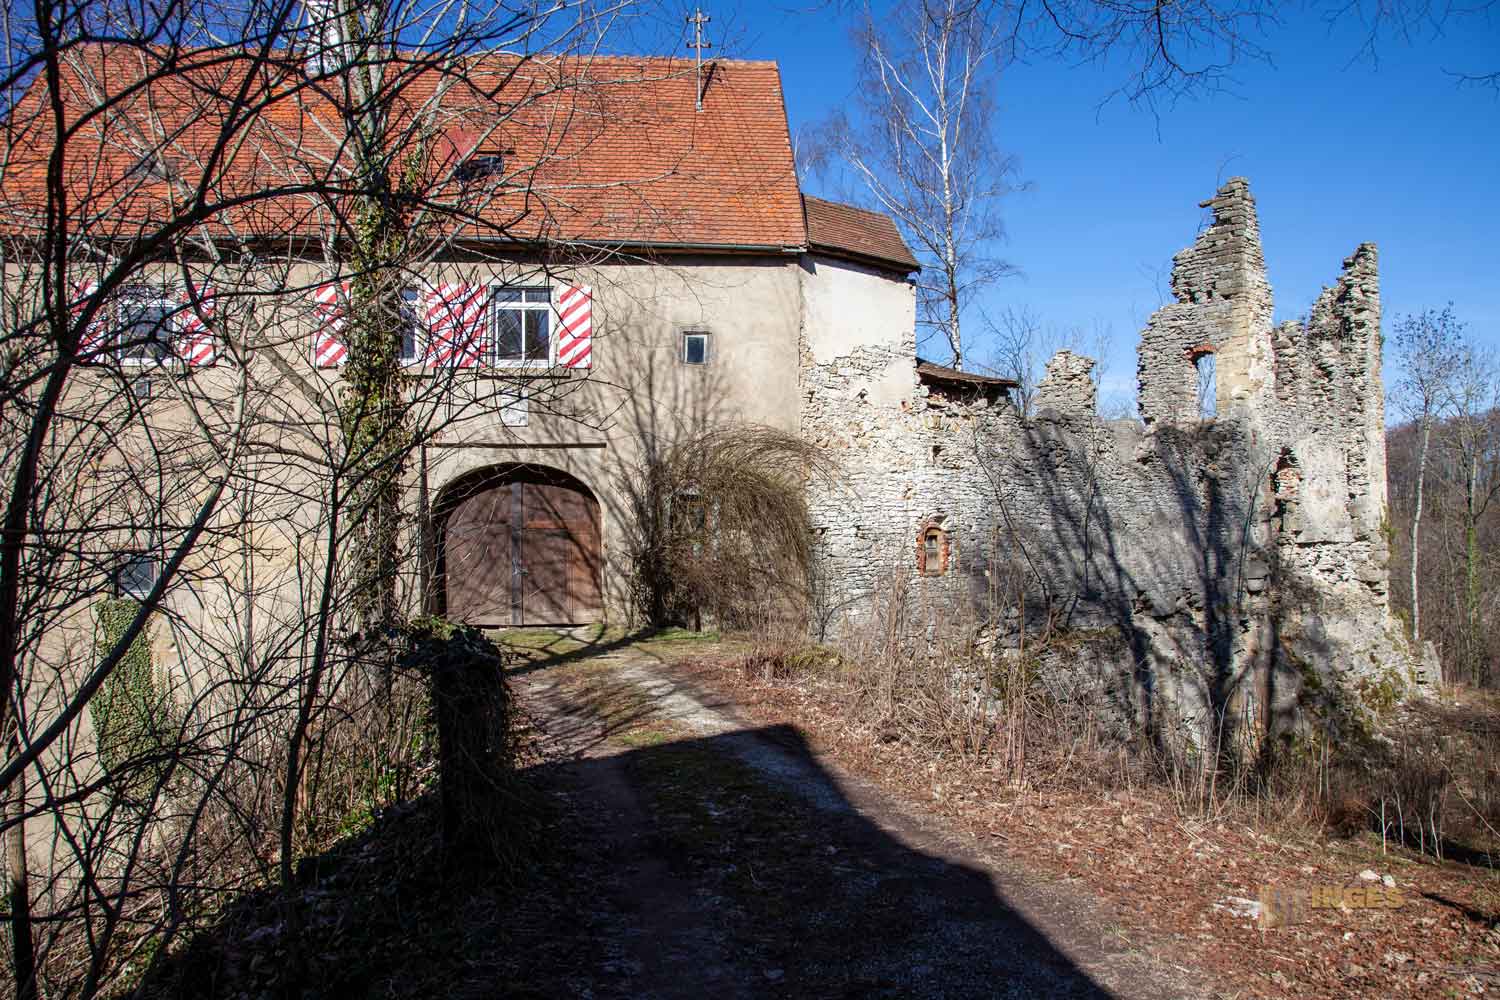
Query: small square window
point(695, 348)
point(136, 575)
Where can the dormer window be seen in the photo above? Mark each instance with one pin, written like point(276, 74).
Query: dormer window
point(481, 165)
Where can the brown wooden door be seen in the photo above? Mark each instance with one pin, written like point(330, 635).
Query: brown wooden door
point(524, 552)
point(477, 558)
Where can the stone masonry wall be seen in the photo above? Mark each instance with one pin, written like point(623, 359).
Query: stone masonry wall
point(1237, 563)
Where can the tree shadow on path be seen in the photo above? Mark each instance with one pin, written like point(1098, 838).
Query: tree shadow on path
point(726, 866)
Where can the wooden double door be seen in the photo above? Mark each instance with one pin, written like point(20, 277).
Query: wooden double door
point(523, 549)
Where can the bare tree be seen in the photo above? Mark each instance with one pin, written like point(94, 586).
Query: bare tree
point(1023, 344)
point(175, 184)
point(1471, 436)
point(923, 145)
point(1429, 344)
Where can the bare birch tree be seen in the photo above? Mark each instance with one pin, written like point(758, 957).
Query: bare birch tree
point(1429, 345)
point(922, 142)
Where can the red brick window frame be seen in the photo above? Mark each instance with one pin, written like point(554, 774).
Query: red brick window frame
point(932, 549)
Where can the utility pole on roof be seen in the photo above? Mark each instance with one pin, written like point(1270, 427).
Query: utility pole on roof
point(698, 20)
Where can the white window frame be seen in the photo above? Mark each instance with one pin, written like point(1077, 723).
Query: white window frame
point(145, 297)
point(411, 313)
point(494, 308)
point(132, 558)
point(707, 338)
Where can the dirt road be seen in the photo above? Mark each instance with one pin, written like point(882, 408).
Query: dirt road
point(716, 859)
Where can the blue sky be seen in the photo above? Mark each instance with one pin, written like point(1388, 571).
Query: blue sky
point(1337, 150)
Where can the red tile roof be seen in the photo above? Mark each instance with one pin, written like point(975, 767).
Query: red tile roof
point(857, 233)
point(606, 150)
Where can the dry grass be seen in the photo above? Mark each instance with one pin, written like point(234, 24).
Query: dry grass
point(1429, 781)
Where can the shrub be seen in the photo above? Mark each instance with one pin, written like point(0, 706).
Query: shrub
point(718, 528)
point(471, 705)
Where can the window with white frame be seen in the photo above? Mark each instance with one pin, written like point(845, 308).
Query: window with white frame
point(522, 320)
point(410, 326)
point(143, 327)
point(136, 575)
point(695, 347)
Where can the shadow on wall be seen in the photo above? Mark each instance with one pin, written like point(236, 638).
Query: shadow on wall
point(683, 869)
point(666, 402)
point(1156, 538)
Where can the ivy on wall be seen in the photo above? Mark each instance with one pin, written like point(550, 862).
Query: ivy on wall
point(135, 719)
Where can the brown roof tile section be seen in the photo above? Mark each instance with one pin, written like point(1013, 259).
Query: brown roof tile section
point(930, 372)
point(606, 150)
point(846, 231)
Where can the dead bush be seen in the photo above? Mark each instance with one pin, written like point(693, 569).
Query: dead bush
point(718, 528)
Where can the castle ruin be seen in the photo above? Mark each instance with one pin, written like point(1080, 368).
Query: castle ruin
point(1228, 549)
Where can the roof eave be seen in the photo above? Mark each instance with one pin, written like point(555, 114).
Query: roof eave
point(902, 267)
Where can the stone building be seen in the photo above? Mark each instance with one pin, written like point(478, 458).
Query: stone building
point(668, 276)
point(1226, 552)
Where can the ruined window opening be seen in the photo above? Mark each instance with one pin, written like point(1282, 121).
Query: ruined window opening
point(1208, 384)
point(695, 348)
point(932, 551)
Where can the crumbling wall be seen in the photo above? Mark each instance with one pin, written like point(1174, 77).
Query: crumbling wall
point(1223, 307)
point(1239, 560)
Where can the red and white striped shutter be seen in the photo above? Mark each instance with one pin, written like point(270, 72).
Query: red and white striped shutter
point(330, 304)
point(195, 336)
point(92, 335)
point(457, 334)
point(575, 327)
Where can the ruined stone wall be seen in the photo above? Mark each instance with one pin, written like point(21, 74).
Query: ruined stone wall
point(1223, 307)
point(1238, 561)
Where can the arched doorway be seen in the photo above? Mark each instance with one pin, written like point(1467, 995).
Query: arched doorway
point(520, 545)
